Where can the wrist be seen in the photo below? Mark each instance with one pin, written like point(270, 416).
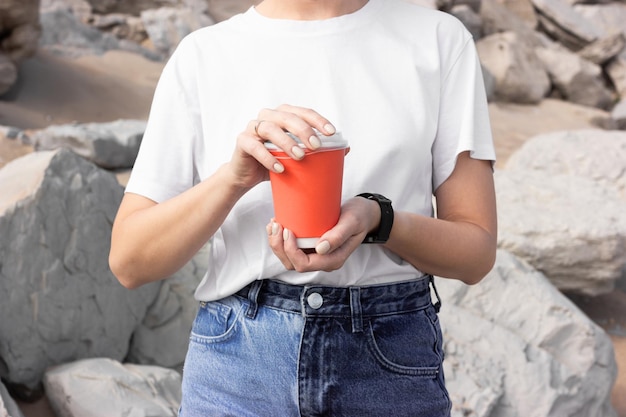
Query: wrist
point(383, 222)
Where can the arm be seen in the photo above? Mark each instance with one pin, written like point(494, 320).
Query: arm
point(460, 243)
point(150, 241)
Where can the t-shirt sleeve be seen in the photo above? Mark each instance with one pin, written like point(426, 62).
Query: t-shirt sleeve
point(463, 123)
point(164, 166)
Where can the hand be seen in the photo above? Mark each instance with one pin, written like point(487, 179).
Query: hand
point(251, 160)
point(358, 217)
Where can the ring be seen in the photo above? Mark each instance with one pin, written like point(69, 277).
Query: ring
point(256, 127)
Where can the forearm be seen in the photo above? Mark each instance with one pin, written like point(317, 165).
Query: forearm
point(450, 249)
point(154, 241)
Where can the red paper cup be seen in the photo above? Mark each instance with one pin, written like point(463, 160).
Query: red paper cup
point(307, 195)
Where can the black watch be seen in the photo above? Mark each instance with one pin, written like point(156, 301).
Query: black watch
point(386, 219)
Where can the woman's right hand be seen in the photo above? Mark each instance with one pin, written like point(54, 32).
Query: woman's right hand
point(251, 161)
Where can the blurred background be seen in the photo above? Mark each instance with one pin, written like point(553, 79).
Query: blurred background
point(543, 335)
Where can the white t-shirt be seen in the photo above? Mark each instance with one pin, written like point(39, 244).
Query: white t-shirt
point(401, 82)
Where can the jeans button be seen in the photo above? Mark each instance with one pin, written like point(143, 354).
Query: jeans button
point(315, 300)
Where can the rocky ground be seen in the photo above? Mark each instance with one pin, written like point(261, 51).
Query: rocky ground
point(56, 90)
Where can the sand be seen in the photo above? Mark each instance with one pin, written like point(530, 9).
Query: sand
point(117, 85)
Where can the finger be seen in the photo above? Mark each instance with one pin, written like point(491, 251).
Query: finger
point(300, 122)
point(275, 239)
point(250, 145)
point(313, 118)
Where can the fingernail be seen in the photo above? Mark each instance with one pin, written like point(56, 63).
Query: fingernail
point(330, 129)
point(298, 152)
point(285, 234)
point(315, 142)
point(274, 228)
point(278, 167)
point(323, 247)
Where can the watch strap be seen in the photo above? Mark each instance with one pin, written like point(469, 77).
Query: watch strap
point(380, 235)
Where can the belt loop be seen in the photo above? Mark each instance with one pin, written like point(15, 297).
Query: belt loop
point(437, 305)
point(355, 309)
point(253, 294)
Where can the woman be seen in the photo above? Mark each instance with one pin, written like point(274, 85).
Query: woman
point(349, 329)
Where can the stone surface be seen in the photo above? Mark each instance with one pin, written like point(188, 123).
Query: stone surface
point(562, 22)
point(61, 302)
point(571, 228)
point(598, 155)
point(66, 35)
point(19, 34)
point(105, 388)
point(163, 335)
point(111, 145)
point(519, 75)
point(8, 407)
point(516, 347)
point(577, 80)
point(167, 26)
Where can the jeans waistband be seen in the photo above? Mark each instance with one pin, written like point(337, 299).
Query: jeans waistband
point(355, 302)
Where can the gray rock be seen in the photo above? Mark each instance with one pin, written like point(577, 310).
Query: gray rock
point(516, 347)
point(616, 70)
point(577, 80)
point(8, 407)
point(609, 18)
point(61, 302)
point(223, 9)
point(105, 388)
point(470, 18)
point(595, 154)
point(562, 22)
point(571, 228)
point(519, 74)
point(167, 26)
point(619, 114)
point(19, 28)
point(163, 335)
point(603, 50)
point(8, 73)
point(111, 145)
point(64, 34)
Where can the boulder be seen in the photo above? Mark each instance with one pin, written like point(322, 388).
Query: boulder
point(102, 387)
point(516, 347)
point(603, 50)
point(162, 337)
point(619, 113)
point(8, 73)
point(576, 79)
point(570, 228)
point(167, 26)
point(519, 74)
point(522, 8)
point(61, 302)
point(66, 35)
point(19, 34)
point(8, 407)
point(596, 154)
point(559, 20)
point(223, 9)
point(112, 145)
point(616, 70)
point(19, 28)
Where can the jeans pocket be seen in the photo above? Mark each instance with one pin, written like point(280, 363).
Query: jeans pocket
point(216, 321)
point(407, 343)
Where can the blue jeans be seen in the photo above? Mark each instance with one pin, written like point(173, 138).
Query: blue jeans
point(275, 349)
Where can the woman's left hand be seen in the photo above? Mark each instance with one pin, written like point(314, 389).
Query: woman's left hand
point(358, 217)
